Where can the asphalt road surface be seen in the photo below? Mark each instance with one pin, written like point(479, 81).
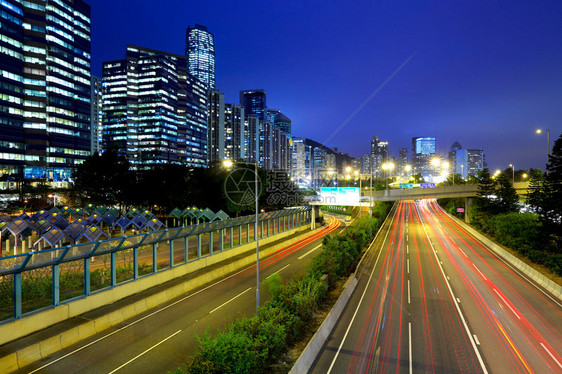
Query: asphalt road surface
point(431, 298)
point(161, 340)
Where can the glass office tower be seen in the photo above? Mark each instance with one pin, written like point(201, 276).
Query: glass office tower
point(44, 88)
point(200, 53)
point(154, 112)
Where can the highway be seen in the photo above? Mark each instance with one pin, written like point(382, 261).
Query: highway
point(431, 298)
point(161, 340)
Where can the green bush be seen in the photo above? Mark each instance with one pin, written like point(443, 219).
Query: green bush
point(252, 345)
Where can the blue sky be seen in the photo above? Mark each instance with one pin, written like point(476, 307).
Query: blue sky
point(485, 73)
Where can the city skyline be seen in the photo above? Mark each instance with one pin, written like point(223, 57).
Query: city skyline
point(478, 73)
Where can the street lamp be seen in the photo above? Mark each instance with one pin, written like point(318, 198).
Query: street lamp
point(387, 166)
point(54, 196)
point(539, 131)
point(512, 173)
point(228, 164)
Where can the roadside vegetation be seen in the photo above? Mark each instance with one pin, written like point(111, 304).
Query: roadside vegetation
point(256, 344)
point(536, 234)
point(109, 180)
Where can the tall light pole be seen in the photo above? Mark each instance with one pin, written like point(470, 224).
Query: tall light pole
point(387, 166)
point(54, 196)
point(512, 173)
point(228, 164)
point(539, 131)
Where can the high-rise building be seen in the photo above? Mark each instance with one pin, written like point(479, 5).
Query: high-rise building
point(312, 161)
point(200, 53)
point(215, 130)
point(251, 129)
point(453, 155)
point(234, 132)
point(423, 151)
point(366, 163)
point(402, 160)
point(153, 110)
point(96, 114)
point(379, 153)
point(44, 88)
point(280, 120)
point(254, 103)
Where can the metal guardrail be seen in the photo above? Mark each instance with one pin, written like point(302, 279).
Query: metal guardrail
point(19, 272)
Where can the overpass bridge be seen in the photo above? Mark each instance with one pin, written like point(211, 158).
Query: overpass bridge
point(467, 191)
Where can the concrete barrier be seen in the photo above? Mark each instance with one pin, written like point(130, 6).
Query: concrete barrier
point(554, 288)
point(12, 361)
point(307, 357)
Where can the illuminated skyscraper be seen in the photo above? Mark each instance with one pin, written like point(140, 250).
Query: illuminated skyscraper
point(200, 53)
point(44, 88)
point(153, 110)
point(423, 151)
point(379, 153)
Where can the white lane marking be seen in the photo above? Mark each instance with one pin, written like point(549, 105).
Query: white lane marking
point(148, 350)
point(410, 347)
point(140, 319)
point(408, 291)
point(407, 249)
point(408, 266)
point(499, 258)
point(465, 324)
point(309, 252)
point(407, 238)
point(506, 303)
point(476, 339)
point(235, 297)
point(458, 300)
point(462, 251)
point(362, 297)
point(551, 355)
point(480, 272)
point(280, 270)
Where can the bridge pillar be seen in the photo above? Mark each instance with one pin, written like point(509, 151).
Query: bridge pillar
point(314, 214)
point(467, 207)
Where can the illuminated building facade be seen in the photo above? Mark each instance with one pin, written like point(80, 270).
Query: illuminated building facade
point(379, 153)
point(96, 114)
point(44, 88)
point(154, 112)
point(423, 151)
point(200, 53)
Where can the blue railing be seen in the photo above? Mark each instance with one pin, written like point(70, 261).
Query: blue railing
point(35, 280)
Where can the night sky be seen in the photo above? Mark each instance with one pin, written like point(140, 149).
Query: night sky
point(484, 73)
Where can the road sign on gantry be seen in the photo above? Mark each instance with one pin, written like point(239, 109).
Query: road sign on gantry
point(348, 196)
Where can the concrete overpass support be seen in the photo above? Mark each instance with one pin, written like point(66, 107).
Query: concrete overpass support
point(314, 213)
point(467, 207)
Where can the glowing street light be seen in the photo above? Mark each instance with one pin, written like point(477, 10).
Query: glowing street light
point(539, 131)
point(387, 166)
point(435, 162)
point(512, 173)
point(408, 168)
point(54, 197)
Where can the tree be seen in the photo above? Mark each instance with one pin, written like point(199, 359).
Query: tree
point(105, 179)
point(535, 191)
point(507, 200)
point(551, 213)
point(486, 188)
point(454, 179)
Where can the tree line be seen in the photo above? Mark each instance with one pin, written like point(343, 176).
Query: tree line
point(535, 232)
point(109, 180)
